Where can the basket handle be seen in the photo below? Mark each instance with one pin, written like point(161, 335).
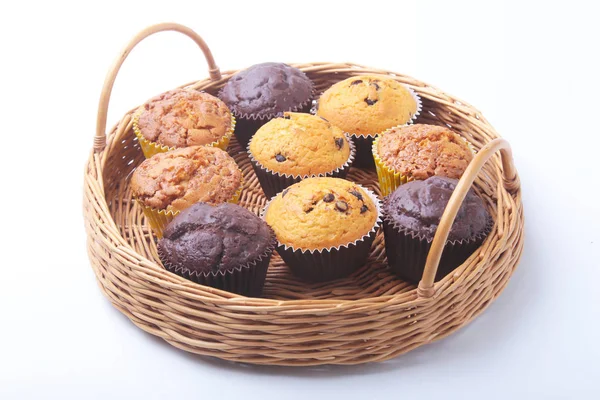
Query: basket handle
point(511, 183)
point(213, 70)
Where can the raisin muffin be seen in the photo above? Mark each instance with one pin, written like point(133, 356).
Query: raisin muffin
point(364, 106)
point(182, 118)
point(168, 183)
point(410, 219)
point(288, 149)
point(324, 226)
point(223, 246)
point(417, 152)
point(263, 92)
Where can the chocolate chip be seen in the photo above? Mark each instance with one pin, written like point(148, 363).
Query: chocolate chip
point(309, 210)
point(341, 206)
point(284, 192)
point(370, 102)
point(376, 85)
point(356, 82)
point(286, 117)
point(364, 209)
point(356, 194)
point(280, 158)
point(328, 198)
point(339, 142)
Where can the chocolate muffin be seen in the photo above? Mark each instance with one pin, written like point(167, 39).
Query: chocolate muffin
point(224, 246)
point(181, 118)
point(264, 91)
point(411, 217)
point(364, 106)
point(324, 226)
point(296, 146)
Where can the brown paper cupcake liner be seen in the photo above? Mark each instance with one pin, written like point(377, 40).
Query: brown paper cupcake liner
point(364, 142)
point(320, 265)
point(248, 124)
point(246, 280)
point(274, 182)
point(150, 148)
point(159, 219)
point(407, 251)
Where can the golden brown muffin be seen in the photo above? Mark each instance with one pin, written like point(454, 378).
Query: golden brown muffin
point(300, 145)
point(177, 179)
point(367, 105)
point(318, 213)
point(181, 118)
point(420, 151)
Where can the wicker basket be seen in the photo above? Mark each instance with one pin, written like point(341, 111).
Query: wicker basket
point(369, 316)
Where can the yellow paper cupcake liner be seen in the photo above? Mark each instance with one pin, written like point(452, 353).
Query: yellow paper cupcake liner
point(389, 179)
point(150, 148)
point(159, 219)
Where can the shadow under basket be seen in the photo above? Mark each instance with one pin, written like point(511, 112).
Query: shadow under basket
point(369, 316)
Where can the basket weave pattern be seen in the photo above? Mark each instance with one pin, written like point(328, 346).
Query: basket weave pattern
point(370, 316)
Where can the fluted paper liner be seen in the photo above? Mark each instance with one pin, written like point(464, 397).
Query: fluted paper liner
point(364, 142)
point(159, 219)
point(248, 124)
point(389, 179)
point(407, 251)
point(273, 182)
point(150, 148)
point(320, 265)
point(246, 280)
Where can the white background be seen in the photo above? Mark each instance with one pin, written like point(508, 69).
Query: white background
point(531, 68)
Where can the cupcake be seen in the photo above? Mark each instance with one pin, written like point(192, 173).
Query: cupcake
point(364, 106)
point(417, 152)
point(296, 146)
point(263, 92)
point(224, 246)
point(168, 183)
point(324, 226)
point(411, 216)
point(182, 118)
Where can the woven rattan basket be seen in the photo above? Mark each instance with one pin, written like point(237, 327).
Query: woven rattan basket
point(369, 316)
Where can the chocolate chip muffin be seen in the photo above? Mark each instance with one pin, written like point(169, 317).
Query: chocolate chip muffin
point(324, 226)
point(223, 246)
point(264, 91)
point(364, 106)
point(182, 118)
point(411, 217)
point(288, 149)
point(167, 183)
point(417, 152)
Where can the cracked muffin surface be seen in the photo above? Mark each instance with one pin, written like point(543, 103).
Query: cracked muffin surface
point(182, 117)
point(420, 151)
point(367, 105)
point(319, 213)
point(206, 238)
point(177, 179)
point(300, 145)
point(267, 89)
